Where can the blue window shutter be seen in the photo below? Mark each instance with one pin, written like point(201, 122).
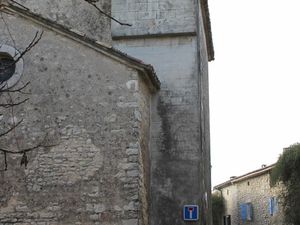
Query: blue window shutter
point(243, 208)
point(271, 206)
point(275, 205)
point(250, 216)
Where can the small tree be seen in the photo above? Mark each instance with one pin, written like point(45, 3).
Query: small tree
point(8, 95)
point(287, 171)
point(218, 208)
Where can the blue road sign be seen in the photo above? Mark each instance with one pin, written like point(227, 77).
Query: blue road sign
point(190, 212)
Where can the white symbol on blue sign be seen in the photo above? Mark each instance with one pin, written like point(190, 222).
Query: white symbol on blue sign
point(191, 212)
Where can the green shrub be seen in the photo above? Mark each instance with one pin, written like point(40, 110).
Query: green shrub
point(287, 172)
point(218, 208)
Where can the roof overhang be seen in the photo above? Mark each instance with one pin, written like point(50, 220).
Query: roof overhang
point(246, 176)
point(107, 50)
point(207, 29)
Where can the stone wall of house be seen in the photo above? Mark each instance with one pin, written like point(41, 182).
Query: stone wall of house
point(94, 112)
point(257, 191)
point(76, 14)
point(230, 195)
point(165, 34)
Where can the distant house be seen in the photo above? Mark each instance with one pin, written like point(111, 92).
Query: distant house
point(250, 199)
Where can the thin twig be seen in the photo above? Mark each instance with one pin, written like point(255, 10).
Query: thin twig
point(20, 90)
point(5, 161)
point(13, 116)
point(2, 85)
point(8, 105)
point(22, 151)
point(35, 40)
point(12, 128)
point(107, 15)
point(10, 101)
point(8, 30)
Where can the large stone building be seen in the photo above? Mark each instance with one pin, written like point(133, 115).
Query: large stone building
point(173, 36)
point(250, 199)
point(125, 145)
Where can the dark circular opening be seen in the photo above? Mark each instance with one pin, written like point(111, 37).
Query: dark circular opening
point(7, 67)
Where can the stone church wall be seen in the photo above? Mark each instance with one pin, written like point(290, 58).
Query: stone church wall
point(153, 17)
point(76, 14)
point(144, 122)
point(95, 111)
point(166, 35)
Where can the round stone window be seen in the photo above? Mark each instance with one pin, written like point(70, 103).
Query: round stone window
point(10, 71)
point(7, 67)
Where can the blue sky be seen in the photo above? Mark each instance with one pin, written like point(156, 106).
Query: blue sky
point(254, 83)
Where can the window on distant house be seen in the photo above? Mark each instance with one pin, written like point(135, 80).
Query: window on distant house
point(10, 70)
point(273, 206)
point(227, 220)
point(246, 212)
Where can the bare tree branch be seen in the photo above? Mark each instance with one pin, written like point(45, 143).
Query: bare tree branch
point(8, 105)
point(8, 102)
point(35, 40)
point(12, 128)
point(20, 90)
point(8, 30)
point(13, 118)
point(23, 152)
point(91, 2)
point(11, 104)
point(2, 87)
point(5, 161)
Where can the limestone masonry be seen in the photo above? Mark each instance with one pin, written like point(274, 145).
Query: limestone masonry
point(128, 142)
point(254, 190)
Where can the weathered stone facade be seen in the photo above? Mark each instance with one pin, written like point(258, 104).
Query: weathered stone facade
point(154, 17)
point(94, 106)
point(125, 153)
point(170, 35)
point(76, 14)
point(251, 188)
